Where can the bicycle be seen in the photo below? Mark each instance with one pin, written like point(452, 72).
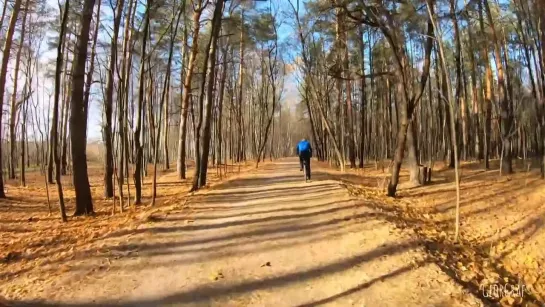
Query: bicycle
point(305, 167)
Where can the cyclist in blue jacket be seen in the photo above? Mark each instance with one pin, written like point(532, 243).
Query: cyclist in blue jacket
point(304, 151)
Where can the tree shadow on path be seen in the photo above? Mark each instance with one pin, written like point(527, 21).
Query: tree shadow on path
point(208, 292)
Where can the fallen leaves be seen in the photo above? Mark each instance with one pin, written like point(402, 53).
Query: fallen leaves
point(35, 242)
point(217, 276)
point(530, 278)
point(469, 261)
point(507, 301)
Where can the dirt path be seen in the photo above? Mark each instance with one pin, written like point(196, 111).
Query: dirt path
point(266, 239)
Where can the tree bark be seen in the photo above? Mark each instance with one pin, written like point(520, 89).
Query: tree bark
point(78, 116)
point(452, 122)
point(122, 106)
point(15, 105)
point(54, 127)
point(186, 95)
point(506, 114)
point(408, 100)
point(137, 175)
point(363, 96)
point(108, 104)
point(4, 9)
point(24, 138)
point(3, 73)
point(64, 122)
point(221, 93)
point(459, 77)
point(542, 103)
point(65, 109)
point(202, 138)
point(240, 120)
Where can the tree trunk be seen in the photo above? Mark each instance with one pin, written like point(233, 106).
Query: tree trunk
point(3, 73)
point(542, 111)
point(221, 94)
point(4, 9)
point(452, 122)
point(14, 103)
point(240, 119)
point(186, 95)
point(78, 116)
point(24, 110)
point(414, 162)
point(202, 138)
point(476, 102)
point(137, 175)
point(108, 105)
point(400, 148)
point(54, 127)
point(91, 70)
point(311, 118)
point(64, 123)
point(487, 128)
point(408, 101)
point(122, 107)
point(363, 96)
point(449, 151)
point(506, 114)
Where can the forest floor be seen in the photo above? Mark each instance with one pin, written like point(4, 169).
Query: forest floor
point(267, 238)
point(501, 253)
point(32, 234)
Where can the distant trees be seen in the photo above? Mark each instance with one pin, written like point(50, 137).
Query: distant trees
point(128, 65)
point(371, 82)
point(394, 71)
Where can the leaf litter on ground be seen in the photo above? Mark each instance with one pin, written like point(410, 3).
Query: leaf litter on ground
point(477, 259)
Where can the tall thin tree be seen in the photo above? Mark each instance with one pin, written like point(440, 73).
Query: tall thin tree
point(3, 73)
point(78, 116)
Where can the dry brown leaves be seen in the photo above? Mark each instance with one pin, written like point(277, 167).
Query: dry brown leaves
point(35, 244)
point(500, 281)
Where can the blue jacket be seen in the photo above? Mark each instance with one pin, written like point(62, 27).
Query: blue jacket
point(304, 147)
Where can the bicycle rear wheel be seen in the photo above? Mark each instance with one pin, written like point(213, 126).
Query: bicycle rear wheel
point(305, 170)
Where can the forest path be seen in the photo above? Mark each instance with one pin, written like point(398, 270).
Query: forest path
point(263, 239)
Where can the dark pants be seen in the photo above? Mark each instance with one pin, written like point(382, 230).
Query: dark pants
point(305, 158)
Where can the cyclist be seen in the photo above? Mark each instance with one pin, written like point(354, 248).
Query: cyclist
point(304, 151)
